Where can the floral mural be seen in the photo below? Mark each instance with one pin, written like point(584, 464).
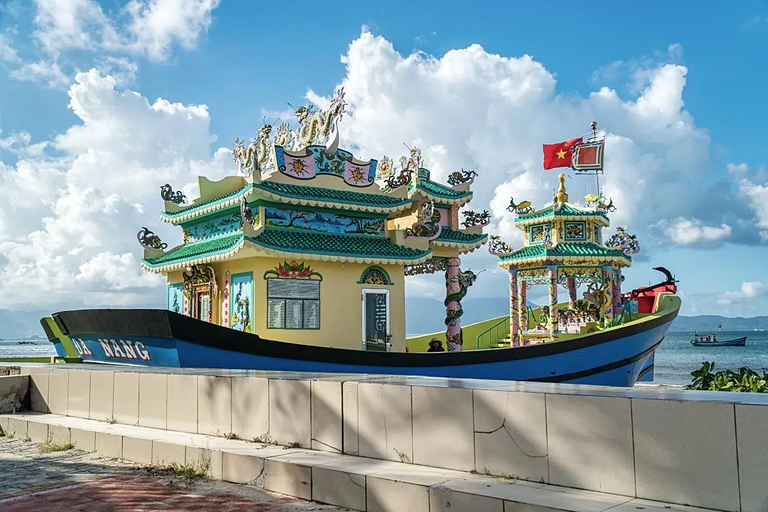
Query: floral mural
point(293, 270)
point(575, 231)
point(242, 302)
point(176, 298)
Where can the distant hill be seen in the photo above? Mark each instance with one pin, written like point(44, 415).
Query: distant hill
point(704, 323)
point(16, 325)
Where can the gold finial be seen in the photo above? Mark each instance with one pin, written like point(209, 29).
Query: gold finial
point(562, 196)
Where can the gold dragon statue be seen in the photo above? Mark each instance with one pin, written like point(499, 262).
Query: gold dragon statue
point(315, 125)
point(257, 155)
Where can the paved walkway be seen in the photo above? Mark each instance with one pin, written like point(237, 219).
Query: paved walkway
point(75, 480)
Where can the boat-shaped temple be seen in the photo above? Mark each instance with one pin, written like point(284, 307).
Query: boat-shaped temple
point(311, 245)
point(299, 264)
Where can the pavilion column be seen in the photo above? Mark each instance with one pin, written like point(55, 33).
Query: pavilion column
point(553, 316)
point(572, 290)
point(607, 294)
point(453, 311)
point(522, 290)
point(514, 310)
point(616, 292)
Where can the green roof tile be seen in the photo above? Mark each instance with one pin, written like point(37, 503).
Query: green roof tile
point(449, 235)
point(199, 249)
point(564, 249)
point(442, 191)
point(359, 246)
point(188, 208)
point(565, 211)
point(332, 195)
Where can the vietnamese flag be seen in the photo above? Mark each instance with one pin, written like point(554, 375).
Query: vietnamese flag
point(559, 155)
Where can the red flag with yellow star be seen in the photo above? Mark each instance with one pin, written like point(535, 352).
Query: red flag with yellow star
point(559, 155)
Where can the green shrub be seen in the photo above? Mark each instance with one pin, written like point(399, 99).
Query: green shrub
point(744, 380)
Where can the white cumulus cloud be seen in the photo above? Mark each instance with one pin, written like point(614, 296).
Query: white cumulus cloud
point(685, 231)
point(492, 113)
point(749, 290)
point(70, 206)
point(69, 215)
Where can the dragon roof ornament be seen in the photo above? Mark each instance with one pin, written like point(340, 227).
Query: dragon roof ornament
point(316, 127)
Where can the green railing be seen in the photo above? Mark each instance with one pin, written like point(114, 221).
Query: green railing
point(622, 317)
point(490, 337)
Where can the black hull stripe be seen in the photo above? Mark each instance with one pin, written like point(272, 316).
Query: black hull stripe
point(126, 323)
point(645, 372)
point(598, 369)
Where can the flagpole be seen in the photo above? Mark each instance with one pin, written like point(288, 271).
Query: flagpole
point(593, 125)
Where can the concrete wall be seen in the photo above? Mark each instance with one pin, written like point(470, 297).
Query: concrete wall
point(13, 390)
point(698, 448)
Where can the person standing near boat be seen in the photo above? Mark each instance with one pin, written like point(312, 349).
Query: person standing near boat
point(435, 345)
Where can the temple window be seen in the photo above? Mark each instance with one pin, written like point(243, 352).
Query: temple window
point(293, 303)
point(375, 275)
point(537, 233)
point(575, 231)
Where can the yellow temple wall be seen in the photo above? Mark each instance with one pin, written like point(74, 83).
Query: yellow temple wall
point(341, 305)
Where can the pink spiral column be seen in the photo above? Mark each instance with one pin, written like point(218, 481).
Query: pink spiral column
point(554, 331)
point(452, 286)
point(616, 292)
point(514, 310)
point(607, 294)
point(225, 301)
point(571, 290)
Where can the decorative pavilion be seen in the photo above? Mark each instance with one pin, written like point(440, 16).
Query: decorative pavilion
point(311, 245)
point(563, 245)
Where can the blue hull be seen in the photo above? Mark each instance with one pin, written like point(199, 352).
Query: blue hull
point(617, 357)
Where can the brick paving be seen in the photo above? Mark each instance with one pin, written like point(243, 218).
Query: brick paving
point(74, 480)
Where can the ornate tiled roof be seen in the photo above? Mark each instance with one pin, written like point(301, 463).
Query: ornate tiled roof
point(442, 193)
point(217, 203)
point(370, 249)
point(450, 235)
point(322, 246)
point(465, 242)
point(188, 253)
point(566, 211)
point(344, 199)
point(565, 250)
point(295, 194)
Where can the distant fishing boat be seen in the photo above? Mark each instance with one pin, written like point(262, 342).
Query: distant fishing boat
point(710, 340)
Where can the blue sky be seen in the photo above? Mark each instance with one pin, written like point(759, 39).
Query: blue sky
point(244, 59)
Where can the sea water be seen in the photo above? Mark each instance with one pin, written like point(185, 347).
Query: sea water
point(676, 358)
point(39, 348)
